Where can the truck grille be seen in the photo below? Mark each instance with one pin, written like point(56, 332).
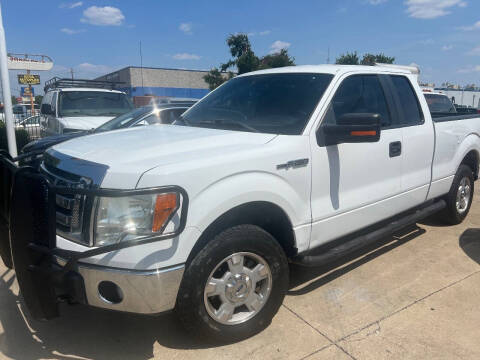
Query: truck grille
point(70, 209)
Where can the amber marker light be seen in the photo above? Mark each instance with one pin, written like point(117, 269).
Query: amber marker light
point(165, 206)
point(363, 133)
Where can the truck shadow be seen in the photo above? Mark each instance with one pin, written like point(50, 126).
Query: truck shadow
point(470, 243)
point(84, 332)
point(99, 334)
point(300, 275)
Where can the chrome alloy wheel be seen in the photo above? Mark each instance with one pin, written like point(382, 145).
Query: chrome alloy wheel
point(237, 288)
point(463, 195)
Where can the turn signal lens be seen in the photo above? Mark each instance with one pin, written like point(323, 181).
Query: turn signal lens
point(363, 133)
point(165, 205)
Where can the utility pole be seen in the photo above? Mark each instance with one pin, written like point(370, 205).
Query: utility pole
point(71, 72)
point(7, 96)
point(328, 55)
point(141, 64)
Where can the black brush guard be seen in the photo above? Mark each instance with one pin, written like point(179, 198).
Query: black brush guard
point(28, 236)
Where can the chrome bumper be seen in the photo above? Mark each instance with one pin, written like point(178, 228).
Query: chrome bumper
point(143, 292)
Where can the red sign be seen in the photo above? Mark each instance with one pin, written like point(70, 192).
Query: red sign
point(19, 100)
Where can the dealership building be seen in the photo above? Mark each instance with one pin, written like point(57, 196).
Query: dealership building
point(159, 82)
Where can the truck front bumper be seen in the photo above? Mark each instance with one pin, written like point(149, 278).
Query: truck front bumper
point(47, 274)
point(135, 291)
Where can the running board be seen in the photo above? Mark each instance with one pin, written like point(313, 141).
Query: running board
point(359, 242)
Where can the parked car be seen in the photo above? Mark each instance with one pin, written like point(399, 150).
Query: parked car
point(76, 105)
point(32, 125)
point(301, 164)
point(147, 115)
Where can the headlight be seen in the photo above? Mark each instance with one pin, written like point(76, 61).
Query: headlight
point(127, 218)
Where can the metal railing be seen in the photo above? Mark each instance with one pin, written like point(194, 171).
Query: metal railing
point(31, 124)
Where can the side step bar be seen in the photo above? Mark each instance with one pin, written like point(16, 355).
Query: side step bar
point(359, 242)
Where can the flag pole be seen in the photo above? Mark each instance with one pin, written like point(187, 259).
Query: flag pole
point(7, 96)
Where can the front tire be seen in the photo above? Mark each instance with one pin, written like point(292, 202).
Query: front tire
point(459, 199)
point(234, 286)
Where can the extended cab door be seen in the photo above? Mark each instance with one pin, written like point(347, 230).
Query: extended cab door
point(355, 184)
point(418, 138)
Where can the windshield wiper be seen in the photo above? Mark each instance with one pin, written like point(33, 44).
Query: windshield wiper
point(227, 122)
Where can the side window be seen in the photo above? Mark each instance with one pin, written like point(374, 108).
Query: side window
point(47, 99)
point(410, 111)
point(54, 102)
point(359, 94)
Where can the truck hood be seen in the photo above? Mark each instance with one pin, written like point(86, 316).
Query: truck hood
point(46, 142)
point(134, 151)
point(85, 122)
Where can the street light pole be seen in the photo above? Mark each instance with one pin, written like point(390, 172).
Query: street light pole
point(7, 96)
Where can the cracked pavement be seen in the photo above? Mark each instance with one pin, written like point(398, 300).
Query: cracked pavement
point(413, 295)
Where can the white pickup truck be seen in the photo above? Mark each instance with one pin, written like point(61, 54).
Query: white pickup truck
point(299, 164)
point(75, 105)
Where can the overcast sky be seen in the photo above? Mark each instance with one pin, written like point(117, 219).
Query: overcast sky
point(96, 37)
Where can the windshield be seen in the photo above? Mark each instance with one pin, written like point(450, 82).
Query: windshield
point(439, 104)
point(270, 103)
point(125, 120)
point(93, 103)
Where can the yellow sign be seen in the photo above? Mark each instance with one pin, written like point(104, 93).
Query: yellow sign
point(28, 79)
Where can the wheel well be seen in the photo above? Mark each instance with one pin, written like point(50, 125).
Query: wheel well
point(471, 160)
point(268, 216)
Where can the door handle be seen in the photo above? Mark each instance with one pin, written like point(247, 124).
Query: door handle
point(395, 148)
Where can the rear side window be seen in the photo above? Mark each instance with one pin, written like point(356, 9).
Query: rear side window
point(410, 112)
point(359, 94)
point(439, 103)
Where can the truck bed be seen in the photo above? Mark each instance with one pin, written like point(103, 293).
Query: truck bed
point(441, 117)
point(455, 136)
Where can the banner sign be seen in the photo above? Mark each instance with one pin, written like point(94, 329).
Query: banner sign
point(25, 92)
point(29, 62)
point(28, 79)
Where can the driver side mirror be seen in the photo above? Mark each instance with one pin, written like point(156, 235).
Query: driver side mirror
point(351, 128)
point(46, 109)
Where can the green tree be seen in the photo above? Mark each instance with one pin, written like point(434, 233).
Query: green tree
point(215, 78)
point(14, 100)
point(371, 59)
point(38, 99)
point(348, 59)
point(244, 60)
point(367, 59)
point(277, 60)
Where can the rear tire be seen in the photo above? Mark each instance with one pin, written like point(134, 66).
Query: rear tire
point(234, 286)
point(459, 198)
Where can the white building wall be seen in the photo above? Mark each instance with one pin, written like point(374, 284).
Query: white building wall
point(467, 98)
